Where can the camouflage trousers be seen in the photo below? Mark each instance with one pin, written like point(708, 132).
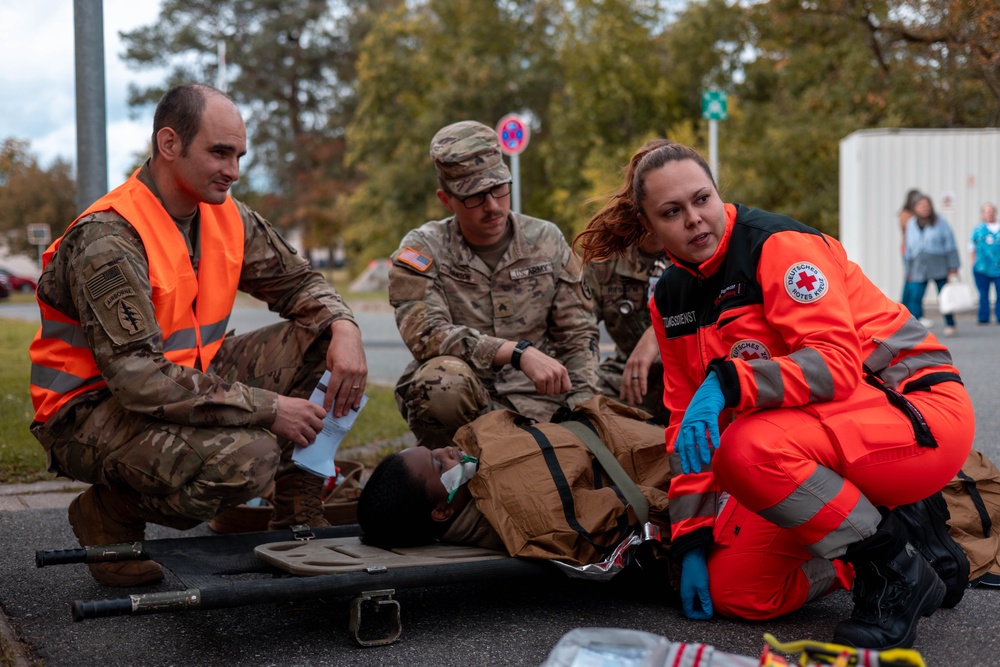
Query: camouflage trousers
point(444, 394)
point(185, 474)
point(609, 381)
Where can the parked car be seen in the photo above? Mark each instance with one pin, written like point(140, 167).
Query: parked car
point(16, 283)
point(4, 287)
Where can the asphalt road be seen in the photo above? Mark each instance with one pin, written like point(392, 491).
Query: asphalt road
point(387, 355)
point(508, 622)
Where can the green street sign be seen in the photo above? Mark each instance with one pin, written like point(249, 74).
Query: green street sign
point(713, 105)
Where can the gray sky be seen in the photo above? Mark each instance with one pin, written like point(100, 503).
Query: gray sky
point(37, 79)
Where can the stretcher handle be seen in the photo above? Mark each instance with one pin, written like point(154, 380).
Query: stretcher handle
point(84, 609)
point(45, 557)
point(135, 605)
point(108, 553)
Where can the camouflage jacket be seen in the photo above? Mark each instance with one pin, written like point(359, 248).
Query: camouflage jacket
point(622, 288)
point(136, 372)
point(456, 306)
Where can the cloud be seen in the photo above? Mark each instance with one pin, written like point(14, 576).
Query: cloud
point(38, 80)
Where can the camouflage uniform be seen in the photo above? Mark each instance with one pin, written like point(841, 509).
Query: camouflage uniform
point(190, 442)
point(622, 288)
point(454, 313)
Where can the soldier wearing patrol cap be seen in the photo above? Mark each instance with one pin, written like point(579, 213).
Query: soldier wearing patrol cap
point(137, 387)
point(492, 304)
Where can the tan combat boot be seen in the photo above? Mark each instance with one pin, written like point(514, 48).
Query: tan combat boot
point(100, 516)
point(298, 500)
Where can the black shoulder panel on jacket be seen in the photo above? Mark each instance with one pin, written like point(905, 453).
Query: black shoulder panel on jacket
point(687, 302)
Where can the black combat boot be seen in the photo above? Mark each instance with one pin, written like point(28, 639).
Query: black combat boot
point(926, 524)
point(893, 587)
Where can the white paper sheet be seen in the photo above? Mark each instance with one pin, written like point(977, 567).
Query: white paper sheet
point(318, 457)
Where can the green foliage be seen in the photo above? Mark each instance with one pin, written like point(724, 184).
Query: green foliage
point(30, 194)
point(614, 91)
point(378, 422)
point(422, 67)
point(290, 67)
point(21, 457)
point(342, 97)
point(591, 78)
point(23, 460)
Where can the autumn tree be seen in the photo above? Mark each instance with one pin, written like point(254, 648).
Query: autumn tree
point(424, 66)
point(342, 97)
point(290, 68)
point(815, 72)
point(591, 77)
point(32, 194)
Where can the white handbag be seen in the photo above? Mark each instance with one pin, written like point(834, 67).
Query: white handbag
point(956, 297)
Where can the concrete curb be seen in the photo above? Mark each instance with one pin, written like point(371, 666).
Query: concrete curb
point(13, 652)
point(39, 495)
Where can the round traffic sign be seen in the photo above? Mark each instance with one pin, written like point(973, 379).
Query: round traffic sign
point(513, 134)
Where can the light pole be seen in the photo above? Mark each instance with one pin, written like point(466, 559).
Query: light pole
point(91, 103)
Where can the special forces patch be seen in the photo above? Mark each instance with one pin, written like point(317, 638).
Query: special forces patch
point(130, 317)
point(805, 283)
point(749, 350)
point(118, 303)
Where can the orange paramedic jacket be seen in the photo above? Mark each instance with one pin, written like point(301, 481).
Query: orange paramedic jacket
point(785, 319)
point(63, 366)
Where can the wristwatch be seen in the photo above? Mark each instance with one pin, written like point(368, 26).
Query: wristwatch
point(515, 356)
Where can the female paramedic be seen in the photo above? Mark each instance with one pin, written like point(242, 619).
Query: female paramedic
point(834, 405)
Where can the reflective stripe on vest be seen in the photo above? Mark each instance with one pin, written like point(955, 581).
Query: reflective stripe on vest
point(192, 311)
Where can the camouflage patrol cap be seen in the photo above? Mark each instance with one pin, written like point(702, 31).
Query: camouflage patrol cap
point(467, 158)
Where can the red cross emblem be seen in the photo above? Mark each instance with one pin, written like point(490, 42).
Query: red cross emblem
point(749, 350)
point(805, 282)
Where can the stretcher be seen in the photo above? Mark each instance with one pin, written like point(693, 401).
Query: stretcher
point(220, 571)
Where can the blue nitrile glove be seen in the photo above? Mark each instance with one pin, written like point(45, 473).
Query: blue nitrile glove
point(694, 586)
point(701, 415)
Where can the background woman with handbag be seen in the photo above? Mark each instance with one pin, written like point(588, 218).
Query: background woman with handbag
point(930, 254)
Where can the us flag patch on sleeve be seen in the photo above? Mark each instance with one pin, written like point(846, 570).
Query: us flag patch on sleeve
point(415, 259)
point(105, 281)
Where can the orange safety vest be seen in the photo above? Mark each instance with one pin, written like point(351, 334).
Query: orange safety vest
point(191, 311)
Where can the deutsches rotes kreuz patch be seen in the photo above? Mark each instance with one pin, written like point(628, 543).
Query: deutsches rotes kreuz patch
point(805, 283)
point(749, 350)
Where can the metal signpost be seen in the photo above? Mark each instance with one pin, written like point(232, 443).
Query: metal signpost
point(40, 235)
point(513, 133)
point(713, 109)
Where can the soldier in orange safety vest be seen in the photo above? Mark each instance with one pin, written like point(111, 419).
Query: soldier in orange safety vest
point(137, 388)
point(804, 406)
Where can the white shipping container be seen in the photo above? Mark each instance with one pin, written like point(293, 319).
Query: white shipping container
point(958, 168)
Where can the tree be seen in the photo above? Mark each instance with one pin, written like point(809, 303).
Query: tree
point(30, 194)
point(291, 70)
point(813, 73)
point(422, 67)
point(614, 91)
point(591, 77)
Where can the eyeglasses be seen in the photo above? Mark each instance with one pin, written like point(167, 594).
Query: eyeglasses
point(478, 199)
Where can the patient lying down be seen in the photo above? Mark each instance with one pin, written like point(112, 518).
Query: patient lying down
point(532, 489)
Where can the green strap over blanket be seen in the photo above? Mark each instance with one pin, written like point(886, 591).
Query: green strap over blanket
point(585, 431)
